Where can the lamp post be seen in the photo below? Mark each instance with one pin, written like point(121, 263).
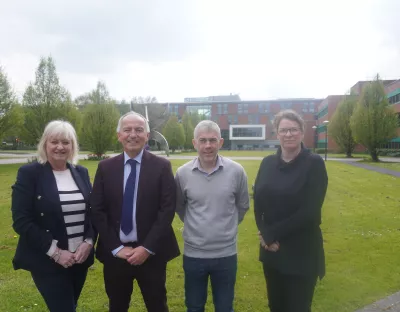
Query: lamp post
point(326, 138)
point(315, 136)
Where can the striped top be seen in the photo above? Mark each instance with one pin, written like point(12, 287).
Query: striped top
point(73, 208)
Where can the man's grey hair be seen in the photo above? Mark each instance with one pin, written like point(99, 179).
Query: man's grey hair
point(62, 130)
point(208, 126)
point(147, 127)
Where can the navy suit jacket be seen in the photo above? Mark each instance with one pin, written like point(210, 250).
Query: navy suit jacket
point(155, 206)
point(38, 219)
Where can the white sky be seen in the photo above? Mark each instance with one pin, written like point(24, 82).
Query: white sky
point(260, 49)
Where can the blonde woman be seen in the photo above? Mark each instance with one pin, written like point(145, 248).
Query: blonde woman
point(50, 213)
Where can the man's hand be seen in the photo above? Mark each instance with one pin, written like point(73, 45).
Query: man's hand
point(82, 252)
point(66, 259)
point(139, 256)
point(124, 253)
point(274, 247)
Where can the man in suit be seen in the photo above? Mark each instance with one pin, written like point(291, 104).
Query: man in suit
point(133, 205)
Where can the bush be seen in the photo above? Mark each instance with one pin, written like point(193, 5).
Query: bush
point(97, 157)
point(389, 152)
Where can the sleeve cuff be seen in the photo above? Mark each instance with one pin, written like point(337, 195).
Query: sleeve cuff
point(89, 241)
point(149, 251)
point(52, 249)
point(116, 250)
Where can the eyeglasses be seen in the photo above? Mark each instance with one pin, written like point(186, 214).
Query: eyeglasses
point(210, 140)
point(292, 131)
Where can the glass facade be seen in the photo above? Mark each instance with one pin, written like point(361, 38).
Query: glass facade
point(247, 132)
point(203, 110)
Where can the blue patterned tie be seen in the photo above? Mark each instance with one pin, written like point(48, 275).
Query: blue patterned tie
point(127, 205)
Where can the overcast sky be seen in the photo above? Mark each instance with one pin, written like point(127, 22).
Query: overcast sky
point(171, 49)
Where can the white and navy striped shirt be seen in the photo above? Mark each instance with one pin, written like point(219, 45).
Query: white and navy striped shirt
point(73, 208)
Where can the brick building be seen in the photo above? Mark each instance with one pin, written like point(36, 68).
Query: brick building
point(247, 125)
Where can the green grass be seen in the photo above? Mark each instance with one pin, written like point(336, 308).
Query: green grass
point(361, 234)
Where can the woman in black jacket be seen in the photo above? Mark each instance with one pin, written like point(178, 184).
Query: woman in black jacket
point(50, 211)
point(289, 192)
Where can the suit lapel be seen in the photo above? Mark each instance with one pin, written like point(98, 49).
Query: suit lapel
point(144, 173)
point(83, 187)
point(118, 169)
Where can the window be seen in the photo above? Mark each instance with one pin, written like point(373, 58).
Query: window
point(240, 108)
point(246, 108)
point(225, 108)
point(323, 112)
point(235, 119)
point(247, 132)
point(263, 107)
point(394, 99)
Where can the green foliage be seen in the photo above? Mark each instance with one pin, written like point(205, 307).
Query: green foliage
point(195, 119)
point(174, 133)
point(45, 100)
point(374, 122)
point(100, 118)
point(339, 127)
point(11, 115)
point(188, 130)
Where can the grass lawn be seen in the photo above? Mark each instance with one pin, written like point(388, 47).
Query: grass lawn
point(361, 233)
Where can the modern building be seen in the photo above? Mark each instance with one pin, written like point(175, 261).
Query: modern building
point(247, 125)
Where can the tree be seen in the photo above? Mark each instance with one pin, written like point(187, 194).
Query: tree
point(174, 133)
point(45, 100)
point(195, 119)
point(373, 122)
point(188, 130)
point(339, 126)
point(157, 113)
point(11, 116)
point(100, 117)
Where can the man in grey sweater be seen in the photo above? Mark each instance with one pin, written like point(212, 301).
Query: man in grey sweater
point(212, 199)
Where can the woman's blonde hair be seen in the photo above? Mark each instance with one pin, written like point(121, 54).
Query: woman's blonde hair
point(62, 130)
point(290, 115)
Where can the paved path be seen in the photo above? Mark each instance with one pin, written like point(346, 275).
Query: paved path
point(376, 169)
point(389, 304)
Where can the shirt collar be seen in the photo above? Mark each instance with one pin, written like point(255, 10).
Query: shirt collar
point(196, 163)
point(138, 158)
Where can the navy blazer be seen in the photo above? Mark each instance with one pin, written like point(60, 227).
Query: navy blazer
point(38, 219)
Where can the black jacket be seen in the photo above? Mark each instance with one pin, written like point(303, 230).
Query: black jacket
point(288, 198)
point(38, 219)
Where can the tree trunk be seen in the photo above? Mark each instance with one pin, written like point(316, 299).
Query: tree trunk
point(348, 153)
point(374, 155)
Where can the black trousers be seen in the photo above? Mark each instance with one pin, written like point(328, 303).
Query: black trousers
point(61, 290)
point(151, 275)
point(289, 293)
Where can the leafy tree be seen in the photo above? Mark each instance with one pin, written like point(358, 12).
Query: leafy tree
point(100, 117)
point(11, 115)
point(45, 100)
point(195, 118)
point(339, 127)
point(188, 130)
point(374, 121)
point(174, 133)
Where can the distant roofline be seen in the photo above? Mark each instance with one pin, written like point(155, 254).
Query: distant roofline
point(239, 102)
